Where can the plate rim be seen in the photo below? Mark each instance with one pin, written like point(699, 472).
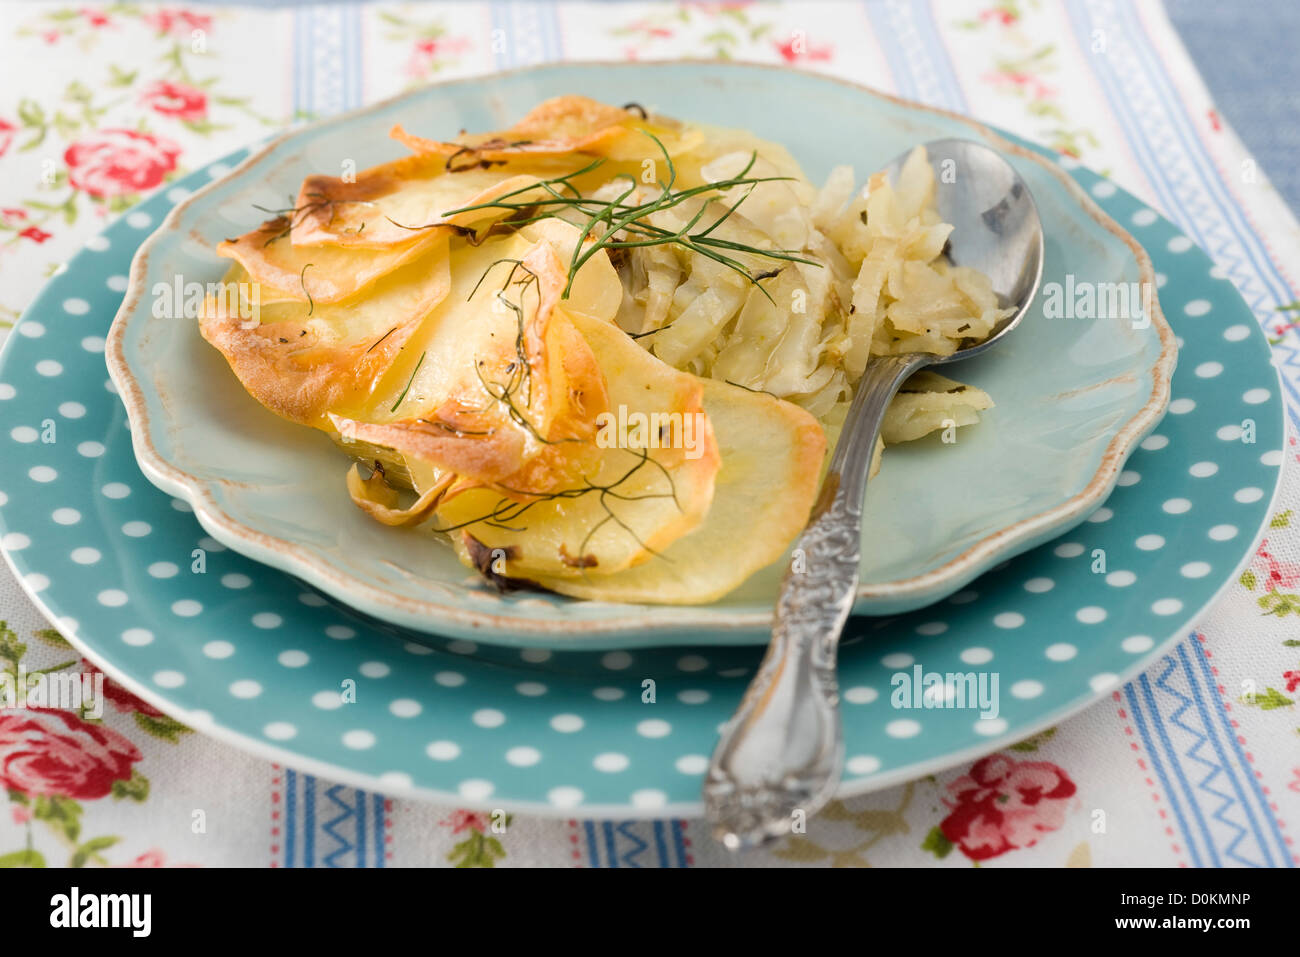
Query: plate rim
point(514, 629)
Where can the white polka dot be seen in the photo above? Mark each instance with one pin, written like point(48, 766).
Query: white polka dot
point(899, 659)
point(976, 656)
point(139, 219)
point(1236, 333)
point(1102, 682)
point(1102, 514)
point(693, 696)
point(462, 647)
point(340, 632)
point(860, 695)
point(414, 648)
point(1181, 406)
point(1143, 217)
point(36, 582)
point(236, 580)
point(567, 723)
point(1104, 189)
point(93, 344)
point(1176, 506)
point(97, 243)
point(488, 718)
point(181, 506)
point(1203, 470)
point(116, 283)
point(1149, 543)
point(1121, 578)
point(396, 780)
point(564, 796)
point(186, 608)
point(1154, 443)
point(861, 764)
point(15, 541)
point(375, 669)
point(405, 707)
point(1195, 570)
point(1136, 644)
point(691, 663)
point(7, 391)
point(163, 570)
point(136, 529)
point(42, 474)
point(1255, 396)
point(930, 628)
point(293, 658)
point(1223, 533)
point(279, 731)
point(1068, 550)
point(1127, 478)
point(72, 410)
point(903, 728)
point(66, 516)
point(116, 490)
point(523, 756)
point(1009, 619)
point(1197, 307)
point(449, 679)
point(653, 728)
point(86, 555)
point(177, 193)
point(1091, 615)
point(327, 700)
point(1271, 458)
point(530, 689)
point(245, 688)
point(1229, 433)
point(76, 307)
point(24, 433)
point(311, 599)
point(610, 762)
point(443, 750)
point(1179, 244)
point(218, 649)
point(1060, 652)
point(1167, 606)
point(1247, 495)
point(535, 656)
point(649, 798)
point(112, 598)
point(990, 726)
point(963, 597)
point(616, 660)
point(358, 739)
point(1208, 370)
point(30, 328)
point(168, 679)
point(1027, 689)
point(111, 389)
point(218, 170)
point(692, 764)
point(476, 789)
point(608, 694)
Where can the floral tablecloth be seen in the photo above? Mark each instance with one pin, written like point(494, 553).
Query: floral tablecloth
point(99, 105)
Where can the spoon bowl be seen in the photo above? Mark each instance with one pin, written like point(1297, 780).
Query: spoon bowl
point(779, 758)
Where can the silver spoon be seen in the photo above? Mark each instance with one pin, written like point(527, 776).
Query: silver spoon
point(780, 756)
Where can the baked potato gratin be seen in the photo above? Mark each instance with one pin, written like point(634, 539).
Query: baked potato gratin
point(604, 352)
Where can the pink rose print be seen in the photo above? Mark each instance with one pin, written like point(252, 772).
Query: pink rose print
point(94, 17)
point(179, 21)
point(1276, 574)
point(119, 162)
point(1004, 804)
point(1292, 679)
point(804, 51)
point(426, 53)
point(7, 133)
point(154, 857)
point(57, 753)
point(175, 99)
point(35, 234)
point(466, 821)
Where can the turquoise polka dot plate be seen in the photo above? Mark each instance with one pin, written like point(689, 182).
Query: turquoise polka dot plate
point(251, 654)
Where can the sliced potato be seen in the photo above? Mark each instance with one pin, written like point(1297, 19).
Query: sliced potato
point(772, 455)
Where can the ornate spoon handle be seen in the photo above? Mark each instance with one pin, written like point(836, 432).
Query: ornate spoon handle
point(780, 755)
